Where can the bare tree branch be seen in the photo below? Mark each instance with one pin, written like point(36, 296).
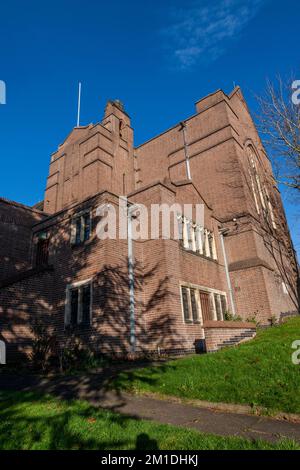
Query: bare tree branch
point(279, 122)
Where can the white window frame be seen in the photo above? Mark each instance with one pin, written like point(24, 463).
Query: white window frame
point(270, 207)
point(196, 239)
point(185, 234)
point(215, 256)
point(198, 305)
point(207, 247)
point(193, 232)
point(211, 292)
point(254, 193)
point(284, 288)
point(199, 240)
point(190, 319)
point(260, 190)
point(77, 285)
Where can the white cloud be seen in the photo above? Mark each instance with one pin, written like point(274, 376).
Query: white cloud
point(202, 31)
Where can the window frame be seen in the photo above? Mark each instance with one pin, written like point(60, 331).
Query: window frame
point(78, 286)
point(74, 240)
point(284, 288)
point(44, 237)
point(197, 239)
point(212, 292)
point(186, 319)
point(259, 189)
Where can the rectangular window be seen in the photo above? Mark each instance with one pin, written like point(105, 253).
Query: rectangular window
point(218, 307)
point(86, 226)
point(254, 193)
point(81, 228)
point(185, 234)
point(199, 234)
point(180, 227)
point(260, 191)
point(74, 306)
point(210, 244)
point(197, 238)
point(270, 207)
point(223, 305)
point(201, 304)
point(78, 231)
point(78, 304)
point(214, 249)
point(284, 288)
point(194, 305)
point(204, 245)
point(86, 304)
point(190, 234)
point(42, 249)
point(185, 304)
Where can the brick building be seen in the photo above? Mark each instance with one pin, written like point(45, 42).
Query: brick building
point(175, 295)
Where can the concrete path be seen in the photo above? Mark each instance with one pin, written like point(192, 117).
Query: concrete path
point(95, 388)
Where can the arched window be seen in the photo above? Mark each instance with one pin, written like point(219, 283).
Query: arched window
point(252, 173)
point(255, 176)
point(260, 192)
point(270, 208)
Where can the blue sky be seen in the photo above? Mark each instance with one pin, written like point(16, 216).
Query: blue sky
point(158, 57)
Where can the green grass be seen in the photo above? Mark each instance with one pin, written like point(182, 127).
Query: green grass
point(258, 373)
point(31, 421)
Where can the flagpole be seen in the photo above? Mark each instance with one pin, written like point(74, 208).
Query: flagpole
point(78, 108)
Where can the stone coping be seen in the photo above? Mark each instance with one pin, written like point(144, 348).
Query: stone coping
point(229, 324)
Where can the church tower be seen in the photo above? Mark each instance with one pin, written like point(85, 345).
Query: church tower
point(92, 159)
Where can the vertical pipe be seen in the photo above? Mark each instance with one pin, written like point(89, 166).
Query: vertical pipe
point(187, 158)
point(2, 352)
point(227, 273)
point(131, 283)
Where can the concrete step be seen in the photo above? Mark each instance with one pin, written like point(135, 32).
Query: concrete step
point(234, 340)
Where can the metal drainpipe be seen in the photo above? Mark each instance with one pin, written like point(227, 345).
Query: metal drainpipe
point(222, 232)
point(186, 151)
point(2, 352)
point(131, 281)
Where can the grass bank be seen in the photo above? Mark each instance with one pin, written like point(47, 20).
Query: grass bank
point(30, 421)
point(257, 373)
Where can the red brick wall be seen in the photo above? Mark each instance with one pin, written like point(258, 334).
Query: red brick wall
point(21, 303)
point(92, 159)
point(218, 136)
point(161, 266)
point(16, 222)
point(222, 334)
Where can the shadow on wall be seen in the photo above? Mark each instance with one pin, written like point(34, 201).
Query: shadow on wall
point(110, 332)
point(36, 303)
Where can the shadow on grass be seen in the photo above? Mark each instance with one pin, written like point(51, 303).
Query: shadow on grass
point(32, 421)
point(104, 387)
